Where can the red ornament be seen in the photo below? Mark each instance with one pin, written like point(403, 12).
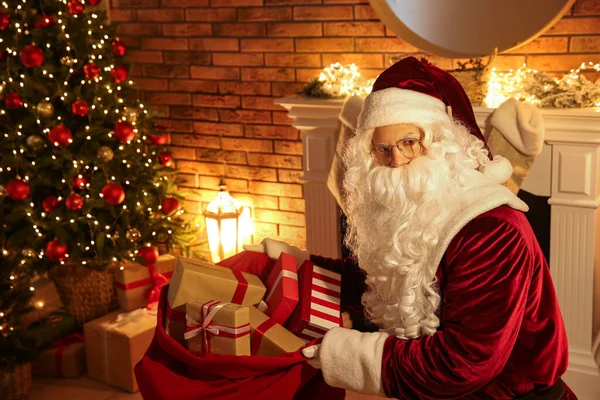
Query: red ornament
point(80, 107)
point(169, 204)
point(165, 159)
point(13, 101)
point(75, 7)
point(4, 21)
point(44, 21)
point(91, 70)
point(119, 48)
point(124, 131)
point(74, 202)
point(60, 135)
point(32, 56)
point(18, 190)
point(149, 255)
point(79, 182)
point(2, 55)
point(93, 2)
point(56, 251)
point(120, 73)
point(113, 193)
point(158, 139)
point(50, 203)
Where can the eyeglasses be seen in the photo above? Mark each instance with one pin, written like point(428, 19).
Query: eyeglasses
point(408, 147)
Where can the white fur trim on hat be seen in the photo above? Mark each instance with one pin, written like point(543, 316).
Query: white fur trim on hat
point(394, 106)
point(521, 124)
point(499, 170)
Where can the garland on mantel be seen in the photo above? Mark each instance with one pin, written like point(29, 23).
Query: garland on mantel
point(572, 90)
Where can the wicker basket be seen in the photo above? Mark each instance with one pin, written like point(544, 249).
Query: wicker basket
point(473, 77)
point(87, 294)
point(15, 385)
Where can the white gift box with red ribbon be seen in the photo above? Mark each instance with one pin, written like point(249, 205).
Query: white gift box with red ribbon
point(319, 306)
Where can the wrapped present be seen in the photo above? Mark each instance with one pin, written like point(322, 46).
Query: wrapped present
point(270, 338)
point(45, 301)
point(195, 279)
point(64, 359)
point(282, 289)
point(319, 307)
point(135, 282)
point(217, 328)
point(49, 329)
point(116, 342)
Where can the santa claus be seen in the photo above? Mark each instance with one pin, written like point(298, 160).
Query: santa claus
point(451, 274)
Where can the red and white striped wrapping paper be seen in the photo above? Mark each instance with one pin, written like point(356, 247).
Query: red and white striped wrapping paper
point(319, 307)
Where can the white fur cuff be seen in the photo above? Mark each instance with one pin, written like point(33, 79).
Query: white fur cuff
point(352, 360)
point(521, 124)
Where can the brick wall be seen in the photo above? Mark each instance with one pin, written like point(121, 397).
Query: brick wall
point(214, 67)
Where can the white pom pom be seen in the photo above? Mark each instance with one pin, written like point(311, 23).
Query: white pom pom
point(499, 170)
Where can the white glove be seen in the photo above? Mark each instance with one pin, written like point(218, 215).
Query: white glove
point(273, 248)
point(312, 352)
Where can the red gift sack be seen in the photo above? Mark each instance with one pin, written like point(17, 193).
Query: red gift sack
point(170, 371)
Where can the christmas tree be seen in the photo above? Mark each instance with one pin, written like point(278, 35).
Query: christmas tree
point(85, 178)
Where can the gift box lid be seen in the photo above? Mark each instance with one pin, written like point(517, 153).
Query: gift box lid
point(134, 273)
point(193, 279)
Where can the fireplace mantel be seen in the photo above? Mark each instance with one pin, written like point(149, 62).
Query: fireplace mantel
point(567, 171)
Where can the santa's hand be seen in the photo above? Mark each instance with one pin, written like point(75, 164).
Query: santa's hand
point(312, 353)
point(273, 248)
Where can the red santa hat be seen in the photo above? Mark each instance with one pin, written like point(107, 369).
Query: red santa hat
point(418, 93)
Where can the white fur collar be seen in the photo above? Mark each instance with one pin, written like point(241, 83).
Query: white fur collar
point(482, 195)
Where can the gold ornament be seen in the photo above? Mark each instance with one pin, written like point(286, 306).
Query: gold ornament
point(35, 142)
point(2, 191)
point(68, 61)
point(133, 235)
point(45, 109)
point(105, 153)
point(116, 235)
point(131, 115)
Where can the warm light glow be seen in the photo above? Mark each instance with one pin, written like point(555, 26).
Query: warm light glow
point(222, 216)
point(344, 80)
point(503, 85)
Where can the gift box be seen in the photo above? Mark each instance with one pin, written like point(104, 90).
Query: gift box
point(134, 281)
point(319, 306)
point(41, 334)
point(115, 343)
point(195, 279)
point(45, 301)
point(282, 289)
point(217, 328)
point(270, 338)
point(64, 359)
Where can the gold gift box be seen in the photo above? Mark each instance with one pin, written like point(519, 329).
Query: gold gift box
point(115, 343)
point(194, 279)
point(274, 341)
point(227, 320)
point(132, 281)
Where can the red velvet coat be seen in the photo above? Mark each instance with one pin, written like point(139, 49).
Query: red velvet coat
point(501, 333)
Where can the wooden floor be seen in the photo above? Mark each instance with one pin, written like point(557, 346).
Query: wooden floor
point(87, 389)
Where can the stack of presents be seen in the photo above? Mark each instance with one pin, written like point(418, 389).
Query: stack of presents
point(211, 309)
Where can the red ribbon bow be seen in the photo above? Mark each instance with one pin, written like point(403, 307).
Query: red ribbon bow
point(158, 281)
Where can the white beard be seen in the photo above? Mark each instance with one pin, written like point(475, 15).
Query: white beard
point(394, 216)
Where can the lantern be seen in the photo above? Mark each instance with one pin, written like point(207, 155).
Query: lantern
point(222, 216)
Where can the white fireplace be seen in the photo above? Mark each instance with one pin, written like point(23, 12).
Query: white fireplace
point(567, 171)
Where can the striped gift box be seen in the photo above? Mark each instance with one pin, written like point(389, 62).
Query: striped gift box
point(319, 306)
